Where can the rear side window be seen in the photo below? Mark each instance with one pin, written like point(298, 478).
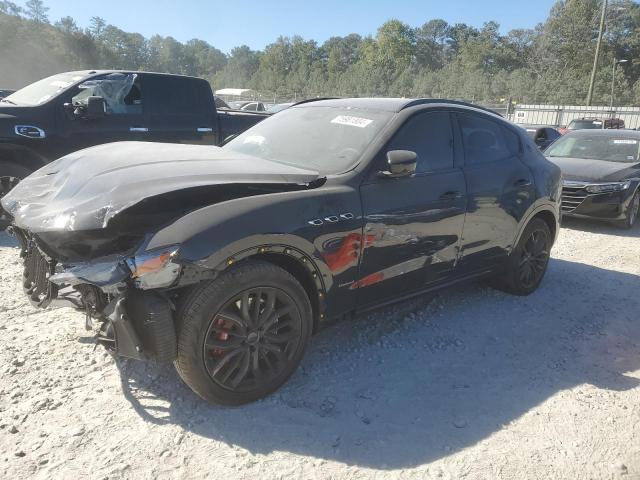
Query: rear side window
point(486, 141)
point(431, 137)
point(176, 96)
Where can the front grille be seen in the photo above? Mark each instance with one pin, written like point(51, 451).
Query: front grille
point(572, 197)
point(37, 270)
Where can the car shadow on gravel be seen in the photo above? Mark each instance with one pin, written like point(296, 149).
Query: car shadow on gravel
point(396, 389)
point(595, 226)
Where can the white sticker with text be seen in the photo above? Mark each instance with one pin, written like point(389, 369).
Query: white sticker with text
point(626, 141)
point(353, 121)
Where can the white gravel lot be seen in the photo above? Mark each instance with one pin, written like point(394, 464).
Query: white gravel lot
point(475, 384)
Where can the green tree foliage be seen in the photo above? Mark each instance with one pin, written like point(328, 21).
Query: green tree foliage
point(550, 63)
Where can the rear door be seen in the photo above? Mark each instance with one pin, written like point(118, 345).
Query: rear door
point(412, 224)
point(182, 110)
point(499, 190)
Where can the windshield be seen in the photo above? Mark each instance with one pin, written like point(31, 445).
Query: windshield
point(616, 148)
point(584, 124)
point(325, 139)
point(43, 90)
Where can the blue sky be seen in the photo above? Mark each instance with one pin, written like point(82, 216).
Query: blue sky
point(226, 24)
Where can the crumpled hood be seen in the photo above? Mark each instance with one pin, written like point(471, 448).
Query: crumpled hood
point(84, 190)
point(594, 170)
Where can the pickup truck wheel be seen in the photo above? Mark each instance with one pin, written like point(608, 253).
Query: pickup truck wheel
point(527, 263)
point(10, 176)
point(243, 334)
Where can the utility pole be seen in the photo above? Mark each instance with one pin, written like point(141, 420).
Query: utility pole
point(616, 62)
point(592, 81)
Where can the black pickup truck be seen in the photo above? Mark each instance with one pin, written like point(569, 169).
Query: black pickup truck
point(74, 110)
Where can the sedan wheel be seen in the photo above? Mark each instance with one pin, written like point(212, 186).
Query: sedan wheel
point(632, 212)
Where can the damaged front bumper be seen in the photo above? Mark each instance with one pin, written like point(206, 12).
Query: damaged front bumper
point(126, 295)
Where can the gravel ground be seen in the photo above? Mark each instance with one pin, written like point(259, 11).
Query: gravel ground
point(474, 384)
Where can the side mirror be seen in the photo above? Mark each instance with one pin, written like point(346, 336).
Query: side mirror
point(402, 163)
point(96, 108)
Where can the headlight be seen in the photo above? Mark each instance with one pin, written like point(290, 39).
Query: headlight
point(608, 187)
point(155, 269)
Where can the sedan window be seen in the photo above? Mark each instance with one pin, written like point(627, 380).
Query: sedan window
point(487, 141)
point(429, 135)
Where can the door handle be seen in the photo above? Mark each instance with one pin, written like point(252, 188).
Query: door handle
point(523, 182)
point(450, 196)
point(204, 129)
point(138, 129)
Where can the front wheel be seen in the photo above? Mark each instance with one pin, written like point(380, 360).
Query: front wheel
point(10, 176)
point(527, 263)
point(243, 334)
point(632, 212)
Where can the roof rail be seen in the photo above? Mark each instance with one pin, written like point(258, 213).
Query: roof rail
point(309, 100)
point(423, 101)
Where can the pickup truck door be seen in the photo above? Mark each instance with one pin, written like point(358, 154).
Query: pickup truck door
point(412, 224)
point(182, 110)
point(125, 117)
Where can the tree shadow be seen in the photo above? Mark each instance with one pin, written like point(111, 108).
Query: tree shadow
point(600, 227)
point(395, 390)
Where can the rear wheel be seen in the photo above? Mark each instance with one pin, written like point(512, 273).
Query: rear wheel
point(527, 263)
point(10, 176)
point(242, 335)
point(632, 213)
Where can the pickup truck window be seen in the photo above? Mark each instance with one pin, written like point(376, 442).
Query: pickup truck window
point(43, 90)
point(325, 139)
point(121, 92)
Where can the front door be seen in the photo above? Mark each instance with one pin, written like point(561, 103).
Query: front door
point(125, 118)
point(500, 189)
point(413, 224)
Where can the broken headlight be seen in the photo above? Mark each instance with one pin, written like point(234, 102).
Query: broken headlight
point(155, 269)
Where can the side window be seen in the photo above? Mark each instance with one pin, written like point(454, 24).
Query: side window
point(176, 96)
point(122, 93)
point(485, 140)
point(430, 136)
point(552, 134)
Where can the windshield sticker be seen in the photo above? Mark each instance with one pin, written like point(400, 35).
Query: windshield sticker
point(626, 141)
point(353, 121)
point(596, 122)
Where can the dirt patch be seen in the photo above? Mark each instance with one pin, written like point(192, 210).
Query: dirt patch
point(474, 384)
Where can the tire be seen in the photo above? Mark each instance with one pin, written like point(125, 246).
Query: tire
point(10, 175)
point(229, 351)
point(632, 213)
point(531, 255)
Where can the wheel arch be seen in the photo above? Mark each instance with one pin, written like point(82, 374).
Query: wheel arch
point(545, 212)
point(21, 155)
point(292, 256)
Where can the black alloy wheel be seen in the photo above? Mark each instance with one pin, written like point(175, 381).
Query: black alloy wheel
point(252, 339)
point(525, 267)
point(534, 258)
point(242, 335)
